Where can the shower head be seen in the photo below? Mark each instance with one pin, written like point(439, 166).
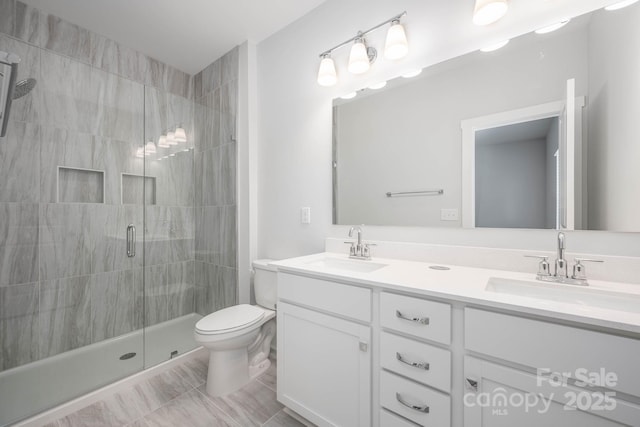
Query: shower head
point(23, 87)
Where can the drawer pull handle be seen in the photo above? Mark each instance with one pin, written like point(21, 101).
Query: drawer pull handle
point(419, 365)
point(420, 320)
point(418, 408)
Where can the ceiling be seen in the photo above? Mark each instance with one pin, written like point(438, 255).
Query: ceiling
point(526, 131)
point(187, 34)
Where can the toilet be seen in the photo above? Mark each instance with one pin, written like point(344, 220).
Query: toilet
point(238, 338)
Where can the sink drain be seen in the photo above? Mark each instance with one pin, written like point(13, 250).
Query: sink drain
point(439, 267)
point(127, 356)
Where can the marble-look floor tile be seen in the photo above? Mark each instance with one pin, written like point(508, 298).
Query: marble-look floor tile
point(191, 409)
point(269, 377)
point(155, 294)
point(282, 419)
point(20, 163)
point(252, 405)
point(96, 415)
point(18, 243)
point(181, 288)
point(194, 371)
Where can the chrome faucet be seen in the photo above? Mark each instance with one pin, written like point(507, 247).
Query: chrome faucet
point(561, 263)
point(359, 249)
point(561, 272)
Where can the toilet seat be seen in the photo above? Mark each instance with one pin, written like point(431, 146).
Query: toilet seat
point(230, 319)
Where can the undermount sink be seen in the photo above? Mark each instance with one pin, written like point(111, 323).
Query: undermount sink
point(349, 265)
point(584, 296)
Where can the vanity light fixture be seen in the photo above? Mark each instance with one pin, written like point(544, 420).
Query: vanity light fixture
point(327, 73)
point(359, 61)
point(362, 56)
point(396, 46)
point(489, 11)
point(180, 134)
point(620, 5)
point(162, 141)
point(552, 27)
point(495, 46)
point(140, 152)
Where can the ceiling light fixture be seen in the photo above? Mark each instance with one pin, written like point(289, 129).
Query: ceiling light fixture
point(412, 73)
point(495, 46)
point(489, 11)
point(620, 5)
point(552, 27)
point(378, 85)
point(362, 56)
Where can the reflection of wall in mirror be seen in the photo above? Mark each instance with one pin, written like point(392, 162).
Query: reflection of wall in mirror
point(408, 138)
point(614, 111)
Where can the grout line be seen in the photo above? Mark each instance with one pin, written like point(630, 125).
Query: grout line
point(219, 408)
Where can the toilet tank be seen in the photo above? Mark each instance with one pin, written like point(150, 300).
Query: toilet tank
point(264, 283)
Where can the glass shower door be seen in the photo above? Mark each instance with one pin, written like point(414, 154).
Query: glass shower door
point(169, 234)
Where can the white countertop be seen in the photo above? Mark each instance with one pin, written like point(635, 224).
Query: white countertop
point(468, 285)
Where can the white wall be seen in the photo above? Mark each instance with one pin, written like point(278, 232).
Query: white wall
point(613, 147)
point(511, 184)
point(295, 118)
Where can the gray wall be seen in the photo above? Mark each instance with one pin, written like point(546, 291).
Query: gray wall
point(216, 95)
point(65, 280)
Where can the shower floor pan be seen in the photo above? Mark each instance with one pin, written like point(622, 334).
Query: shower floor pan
point(38, 386)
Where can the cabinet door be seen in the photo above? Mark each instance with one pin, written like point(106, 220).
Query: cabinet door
point(324, 367)
point(498, 396)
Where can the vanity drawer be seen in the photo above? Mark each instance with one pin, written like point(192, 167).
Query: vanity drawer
point(393, 389)
point(397, 354)
point(414, 316)
point(558, 348)
point(389, 419)
point(345, 300)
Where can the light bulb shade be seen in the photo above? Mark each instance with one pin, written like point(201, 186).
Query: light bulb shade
point(358, 58)
point(396, 45)
point(171, 138)
point(180, 135)
point(162, 141)
point(149, 148)
point(327, 72)
point(489, 11)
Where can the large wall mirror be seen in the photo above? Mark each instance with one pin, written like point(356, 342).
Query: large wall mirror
point(541, 133)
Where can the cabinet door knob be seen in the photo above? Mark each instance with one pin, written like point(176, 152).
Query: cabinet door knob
point(420, 320)
point(364, 346)
point(419, 365)
point(423, 408)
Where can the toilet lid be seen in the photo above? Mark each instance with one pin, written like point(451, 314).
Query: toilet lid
point(229, 319)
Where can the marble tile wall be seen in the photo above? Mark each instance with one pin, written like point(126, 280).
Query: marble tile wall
point(65, 279)
point(216, 276)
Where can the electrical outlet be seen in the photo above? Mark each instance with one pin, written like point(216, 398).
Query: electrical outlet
point(305, 215)
point(448, 214)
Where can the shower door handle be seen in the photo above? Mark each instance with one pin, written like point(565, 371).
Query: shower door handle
point(131, 241)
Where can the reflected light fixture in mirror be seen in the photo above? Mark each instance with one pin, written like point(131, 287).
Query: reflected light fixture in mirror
point(162, 141)
point(149, 148)
point(350, 95)
point(489, 11)
point(552, 27)
point(358, 58)
point(412, 73)
point(378, 85)
point(180, 134)
point(396, 46)
point(171, 138)
point(495, 46)
point(620, 5)
point(327, 73)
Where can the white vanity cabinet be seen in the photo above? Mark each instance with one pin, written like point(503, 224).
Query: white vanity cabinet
point(537, 374)
point(324, 350)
